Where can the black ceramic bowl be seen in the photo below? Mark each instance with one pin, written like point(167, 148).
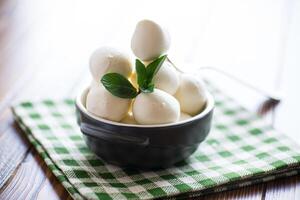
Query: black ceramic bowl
point(143, 146)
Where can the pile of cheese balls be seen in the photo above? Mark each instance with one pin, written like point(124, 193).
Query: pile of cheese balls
point(176, 96)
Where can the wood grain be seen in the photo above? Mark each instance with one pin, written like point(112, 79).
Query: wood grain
point(288, 188)
point(33, 180)
point(18, 80)
point(20, 186)
point(248, 193)
point(11, 156)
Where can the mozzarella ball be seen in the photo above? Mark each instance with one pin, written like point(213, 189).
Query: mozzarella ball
point(149, 40)
point(191, 94)
point(106, 59)
point(167, 78)
point(128, 119)
point(133, 80)
point(95, 83)
point(157, 107)
point(184, 116)
point(102, 103)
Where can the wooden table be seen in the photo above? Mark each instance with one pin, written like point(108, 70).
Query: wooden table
point(44, 51)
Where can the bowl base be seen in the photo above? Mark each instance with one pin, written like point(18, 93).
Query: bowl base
point(137, 157)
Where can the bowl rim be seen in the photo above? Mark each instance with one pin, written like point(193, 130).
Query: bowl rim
point(81, 106)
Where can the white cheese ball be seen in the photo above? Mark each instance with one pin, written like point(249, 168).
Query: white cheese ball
point(133, 80)
point(191, 94)
point(167, 78)
point(128, 119)
point(95, 83)
point(184, 116)
point(102, 103)
point(109, 60)
point(157, 107)
point(149, 40)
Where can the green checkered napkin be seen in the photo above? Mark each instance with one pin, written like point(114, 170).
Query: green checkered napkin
point(240, 150)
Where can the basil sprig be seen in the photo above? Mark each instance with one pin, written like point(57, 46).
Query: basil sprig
point(145, 74)
point(120, 86)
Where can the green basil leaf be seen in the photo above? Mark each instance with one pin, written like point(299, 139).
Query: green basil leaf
point(153, 67)
point(141, 73)
point(148, 89)
point(119, 86)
